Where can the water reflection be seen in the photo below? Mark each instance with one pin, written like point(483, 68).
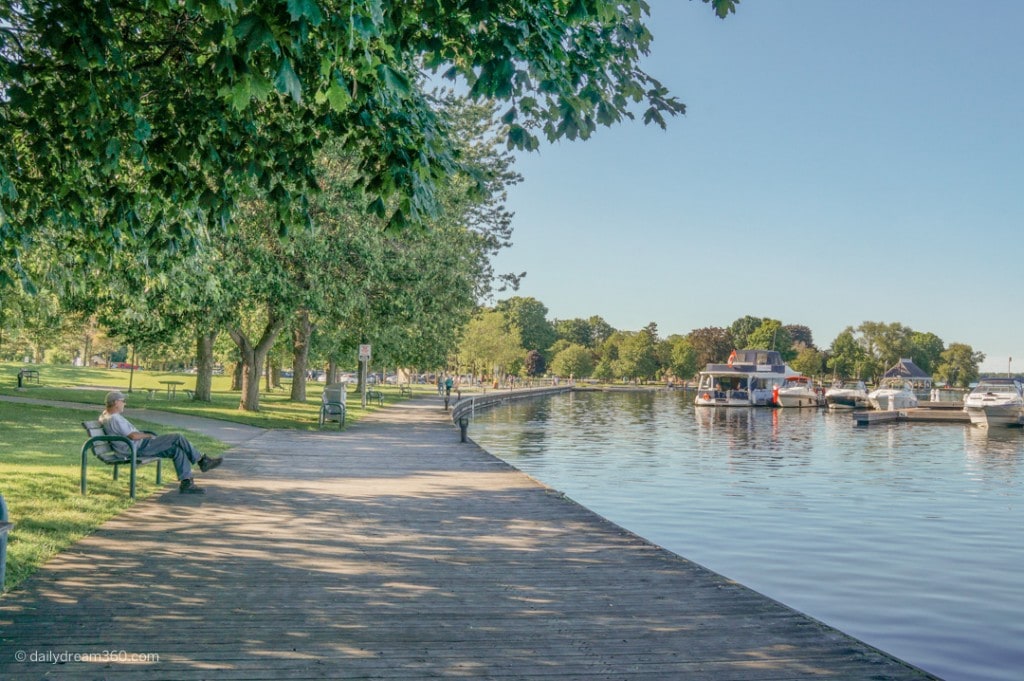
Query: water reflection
point(995, 451)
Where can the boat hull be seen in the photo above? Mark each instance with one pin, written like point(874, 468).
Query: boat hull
point(798, 399)
point(846, 402)
point(890, 401)
point(996, 415)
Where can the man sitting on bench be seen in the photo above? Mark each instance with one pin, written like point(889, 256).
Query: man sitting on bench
point(172, 446)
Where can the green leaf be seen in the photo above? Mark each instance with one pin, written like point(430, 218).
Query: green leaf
point(287, 82)
point(143, 130)
point(338, 96)
point(724, 8)
point(253, 33)
point(305, 9)
point(395, 80)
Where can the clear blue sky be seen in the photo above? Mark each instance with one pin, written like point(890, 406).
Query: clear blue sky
point(840, 161)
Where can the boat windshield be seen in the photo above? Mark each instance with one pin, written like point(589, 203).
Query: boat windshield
point(997, 388)
point(711, 382)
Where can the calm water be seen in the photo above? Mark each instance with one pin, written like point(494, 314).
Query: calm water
point(909, 537)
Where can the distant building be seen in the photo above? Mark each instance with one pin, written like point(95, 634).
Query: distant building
point(906, 369)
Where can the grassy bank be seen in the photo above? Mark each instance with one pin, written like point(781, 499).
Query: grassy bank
point(40, 474)
point(89, 385)
point(40, 447)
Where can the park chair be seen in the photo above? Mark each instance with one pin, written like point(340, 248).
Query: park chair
point(332, 404)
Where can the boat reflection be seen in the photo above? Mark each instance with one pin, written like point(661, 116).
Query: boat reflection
point(994, 449)
point(756, 430)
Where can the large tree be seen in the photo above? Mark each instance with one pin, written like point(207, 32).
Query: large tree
point(140, 123)
point(711, 344)
point(958, 365)
point(574, 361)
point(489, 346)
point(529, 316)
point(683, 358)
point(847, 358)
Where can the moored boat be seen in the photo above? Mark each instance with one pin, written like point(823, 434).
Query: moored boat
point(849, 394)
point(996, 402)
point(797, 391)
point(892, 394)
point(749, 378)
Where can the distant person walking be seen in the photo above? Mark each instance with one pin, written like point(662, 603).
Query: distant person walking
point(172, 446)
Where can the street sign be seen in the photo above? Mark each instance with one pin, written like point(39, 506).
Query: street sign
point(364, 353)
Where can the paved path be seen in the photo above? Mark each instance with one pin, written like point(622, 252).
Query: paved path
point(393, 551)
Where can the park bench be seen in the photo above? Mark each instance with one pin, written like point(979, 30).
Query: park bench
point(332, 404)
point(375, 395)
point(102, 447)
point(405, 390)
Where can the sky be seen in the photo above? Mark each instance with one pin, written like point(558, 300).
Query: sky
point(840, 161)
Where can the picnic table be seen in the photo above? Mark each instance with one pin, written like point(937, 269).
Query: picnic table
point(25, 375)
point(172, 388)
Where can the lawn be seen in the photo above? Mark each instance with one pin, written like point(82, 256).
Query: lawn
point(89, 385)
point(40, 448)
point(40, 476)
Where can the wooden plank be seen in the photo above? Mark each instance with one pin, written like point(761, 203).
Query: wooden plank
point(393, 551)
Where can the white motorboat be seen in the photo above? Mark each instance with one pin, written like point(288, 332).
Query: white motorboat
point(996, 402)
point(797, 391)
point(748, 379)
point(893, 394)
point(850, 394)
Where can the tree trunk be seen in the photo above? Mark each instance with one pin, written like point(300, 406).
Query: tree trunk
point(236, 376)
point(204, 365)
point(253, 358)
point(300, 355)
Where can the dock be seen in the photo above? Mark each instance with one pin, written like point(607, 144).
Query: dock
point(392, 550)
point(927, 412)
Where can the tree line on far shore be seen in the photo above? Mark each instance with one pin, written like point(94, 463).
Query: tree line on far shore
point(515, 337)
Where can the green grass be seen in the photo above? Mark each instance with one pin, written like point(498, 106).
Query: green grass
point(40, 476)
point(40, 448)
point(90, 385)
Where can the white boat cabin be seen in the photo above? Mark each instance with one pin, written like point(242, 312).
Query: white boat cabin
point(747, 379)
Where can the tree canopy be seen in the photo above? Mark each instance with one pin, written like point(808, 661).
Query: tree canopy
point(143, 122)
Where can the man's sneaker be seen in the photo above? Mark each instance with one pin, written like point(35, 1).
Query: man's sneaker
point(209, 463)
point(188, 486)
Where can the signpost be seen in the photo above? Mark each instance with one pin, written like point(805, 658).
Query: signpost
point(364, 362)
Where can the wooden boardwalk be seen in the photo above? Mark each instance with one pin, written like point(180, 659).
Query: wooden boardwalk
point(393, 551)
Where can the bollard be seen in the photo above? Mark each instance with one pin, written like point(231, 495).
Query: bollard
point(463, 426)
point(5, 526)
point(21, 377)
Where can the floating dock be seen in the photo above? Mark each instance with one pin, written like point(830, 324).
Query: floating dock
point(928, 412)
